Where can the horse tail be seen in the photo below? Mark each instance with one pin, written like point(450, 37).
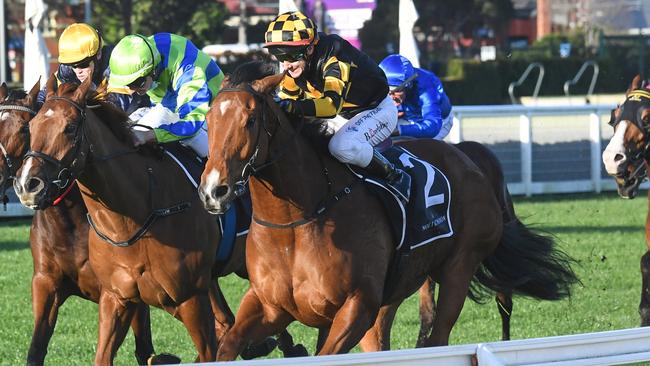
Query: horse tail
point(525, 263)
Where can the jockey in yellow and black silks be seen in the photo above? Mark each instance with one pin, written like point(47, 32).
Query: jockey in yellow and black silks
point(327, 77)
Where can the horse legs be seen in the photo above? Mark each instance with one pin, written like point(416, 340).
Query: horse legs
point(45, 306)
point(351, 323)
point(427, 310)
point(114, 319)
point(644, 306)
point(223, 316)
point(288, 348)
point(323, 333)
point(198, 318)
point(377, 338)
point(504, 305)
point(141, 325)
point(454, 285)
point(252, 325)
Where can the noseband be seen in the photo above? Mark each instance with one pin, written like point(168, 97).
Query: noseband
point(636, 102)
point(65, 173)
point(9, 164)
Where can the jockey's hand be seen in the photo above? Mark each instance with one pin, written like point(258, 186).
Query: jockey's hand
point(143, 137)
point(290, 106)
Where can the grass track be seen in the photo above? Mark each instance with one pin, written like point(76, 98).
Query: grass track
point(602, 232)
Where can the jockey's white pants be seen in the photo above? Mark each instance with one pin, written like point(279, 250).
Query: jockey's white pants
point(354, 139)
point(158, 115)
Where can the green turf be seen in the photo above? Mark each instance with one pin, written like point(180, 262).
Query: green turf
point(602, 232)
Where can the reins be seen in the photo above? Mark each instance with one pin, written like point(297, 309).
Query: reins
point(325, 204)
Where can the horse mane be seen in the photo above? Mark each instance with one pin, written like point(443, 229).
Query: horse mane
point(15, 95)
point(251, 71)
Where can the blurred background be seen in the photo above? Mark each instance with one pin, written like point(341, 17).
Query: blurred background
point(477, 47)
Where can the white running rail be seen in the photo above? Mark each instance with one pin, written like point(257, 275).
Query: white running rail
point(615, 347)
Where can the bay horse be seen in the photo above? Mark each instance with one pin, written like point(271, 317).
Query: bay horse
point(58, 241)
point(320, 246)
point(626, 159)
point(163, 242)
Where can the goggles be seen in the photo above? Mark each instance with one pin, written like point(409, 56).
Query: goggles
point(138, 83)
point(289, 54)
point(404, 85)
point(83, 64)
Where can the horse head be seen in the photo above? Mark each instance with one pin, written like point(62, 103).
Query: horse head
point(16, 109)
point(57, 150)
point(240, 128)
point(625, 155)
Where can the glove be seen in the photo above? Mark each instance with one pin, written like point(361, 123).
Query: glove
point(287, 105)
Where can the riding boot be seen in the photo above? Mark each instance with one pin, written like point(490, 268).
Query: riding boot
point(398, 179)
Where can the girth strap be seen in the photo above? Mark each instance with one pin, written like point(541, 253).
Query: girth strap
point(153, 216)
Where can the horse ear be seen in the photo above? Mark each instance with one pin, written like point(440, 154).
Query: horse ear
point(636, 83)
point(267, 84)
point(4, 91)
point(33, 94)
point(82, 91)
point(51, 86)
point(226, 81)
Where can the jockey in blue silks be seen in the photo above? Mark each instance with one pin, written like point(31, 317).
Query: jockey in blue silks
point(423, 107)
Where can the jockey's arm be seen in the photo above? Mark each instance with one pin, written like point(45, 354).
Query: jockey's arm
point(336, 75)
point(191, 105)
point(431, 120)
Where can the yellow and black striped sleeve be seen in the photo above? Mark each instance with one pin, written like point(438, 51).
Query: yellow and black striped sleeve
point(289, 89)
point(337, 82)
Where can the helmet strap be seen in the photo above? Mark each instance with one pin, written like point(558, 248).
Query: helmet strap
point(154, 69)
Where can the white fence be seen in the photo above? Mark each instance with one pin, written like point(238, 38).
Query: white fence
point(616, 347)
point(525, 129)
point(541, 127)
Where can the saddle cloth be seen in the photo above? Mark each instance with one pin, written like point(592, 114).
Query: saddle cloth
point(235, 221)
point(425, 218)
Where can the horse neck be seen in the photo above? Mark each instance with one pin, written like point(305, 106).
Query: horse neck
point(115, 176)
point(296, 182)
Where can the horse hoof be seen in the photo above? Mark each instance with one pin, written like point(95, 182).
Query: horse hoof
point(259, 350)
point(163, 359)
point(296, 351)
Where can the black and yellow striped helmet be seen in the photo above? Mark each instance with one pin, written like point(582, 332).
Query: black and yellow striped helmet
point(290, 29)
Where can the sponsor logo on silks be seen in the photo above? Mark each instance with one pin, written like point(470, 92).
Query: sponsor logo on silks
point(373, 131)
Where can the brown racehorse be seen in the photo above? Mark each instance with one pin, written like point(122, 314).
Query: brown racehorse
point(626, 159)
point(164, 243)
point(58, 241)
point(320, 246)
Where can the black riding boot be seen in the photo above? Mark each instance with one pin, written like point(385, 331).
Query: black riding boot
point(380, 167)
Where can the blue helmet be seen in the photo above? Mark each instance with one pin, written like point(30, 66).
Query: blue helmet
point(399, 71)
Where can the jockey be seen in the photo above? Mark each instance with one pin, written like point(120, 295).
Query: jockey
point(326, 77)
point(423, 107)
point(180, 80)
point(82, 51)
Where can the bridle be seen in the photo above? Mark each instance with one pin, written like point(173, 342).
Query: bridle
point(250, 169)
point(9, 167)
point(66, 166)
point(636, 102)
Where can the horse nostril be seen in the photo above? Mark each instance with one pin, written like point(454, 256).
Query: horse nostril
point(34, 185)
point(220, 191)
point(619, 157)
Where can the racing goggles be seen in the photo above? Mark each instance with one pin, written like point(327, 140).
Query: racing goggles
point(404, 85)
point(288, 54)
point(83, 64)
point(138, 83)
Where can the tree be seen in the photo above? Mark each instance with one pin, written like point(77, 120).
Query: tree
point(200, 21)
point(439, 20)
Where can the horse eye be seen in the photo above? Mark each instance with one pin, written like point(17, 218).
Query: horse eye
point(250, 121)
point(70, 129)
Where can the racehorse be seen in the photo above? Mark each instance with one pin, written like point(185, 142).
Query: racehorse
point(320, 246)
point(626, 159)
point(151, 242)
point(58, 241)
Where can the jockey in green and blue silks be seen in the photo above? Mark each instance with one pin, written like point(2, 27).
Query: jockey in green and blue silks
point(423, 107)
point(180, 80)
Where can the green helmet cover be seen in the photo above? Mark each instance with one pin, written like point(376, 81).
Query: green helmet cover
point(134, 56)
